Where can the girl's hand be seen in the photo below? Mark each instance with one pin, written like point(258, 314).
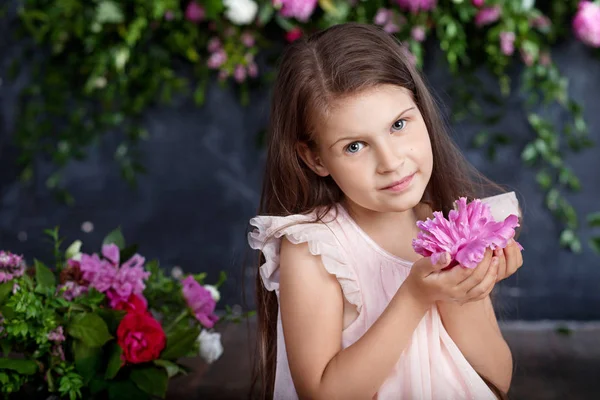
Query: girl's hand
point(430, 283)
point(510, 259)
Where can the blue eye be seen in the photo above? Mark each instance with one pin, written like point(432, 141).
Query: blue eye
point(354, 147)
point(399, 125)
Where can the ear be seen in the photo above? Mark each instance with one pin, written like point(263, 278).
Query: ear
point(312, 160)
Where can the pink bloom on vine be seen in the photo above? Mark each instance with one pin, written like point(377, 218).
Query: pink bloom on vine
point(214, 44)
point(194, 12)
point(252, 70)
point(299, 9)
point(541, 22)
point(57, 335)
point(586, 23)
point(382, 17)
point(487, 15)
point(391, 28)
point(217, 59)
point(239, 74)
point(11, 266)
point(527, 57)
point(465, 235)
point(72, 290)
point(293, 35)
point(247, 39)
point(507, 43)
point(415, 6)
point(169, 15)
point(478, 3)
point(418, 33)
point(200, 302)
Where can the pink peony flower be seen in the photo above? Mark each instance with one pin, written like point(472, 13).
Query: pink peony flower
point(507, 43)
point(418, 33)
point(117, 282)
point(478, 3)
point(465, 235)
point(194, 12)
point(586, 23)
point(11, 266)
point(415, 6)
point(487, 15)
point(200, 301)
point(299, 9)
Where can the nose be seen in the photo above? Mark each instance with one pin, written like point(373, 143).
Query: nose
point(388, 159)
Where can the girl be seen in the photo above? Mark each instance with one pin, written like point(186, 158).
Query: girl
point(357, 154)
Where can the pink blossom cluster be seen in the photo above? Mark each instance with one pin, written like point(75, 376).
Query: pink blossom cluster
point(193, 12)
point(11, 266)
point(507, 43)
point(586, 23)
point(57, 335)
point(298, 9)
point(390, 21)
point(465, 235)
point(200, 301)
point(414, 6)
point(488, 15)
point(117, 282)
point(218, 59)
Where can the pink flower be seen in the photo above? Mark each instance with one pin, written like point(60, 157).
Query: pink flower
point(299, 9)
point(57, 335)
point(527, 57)
point(477, 3)
point(247, 39)
point(382, 17)
point(11, 266)
point(418, 33)
point(200, 301)
point(415, 6)
point(541, 22)
point(391, 28)
point(487, 15)
point(194, 12)
point(214, 44)
point(106, 276)
point(239, 74)
point(216, 59)
point(71, 290)
point(507, 43)
point(586, 23)
point(135, 304)
point(252, 70)
point(293, 35)
point(465, 235)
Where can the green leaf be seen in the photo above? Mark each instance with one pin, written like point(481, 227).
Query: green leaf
point(213, 8)
point(125, 390)
point(109, 12)
point(24, 367)
point(593, 220)
point(544, 179)
point(595, 244)
point(114, 361)
point(6, 346)
point(481, 139)
point(169, 366)
point(90, 328)
point(5, 291)
point(180, 343)
point(151, 380)
point(266, 13)
point(529, 153)
point(128, 252)
point(222, 279)
point(87, 359)
point(285, 24)
point(44, 276)
point(111, 317)
point(115, 237)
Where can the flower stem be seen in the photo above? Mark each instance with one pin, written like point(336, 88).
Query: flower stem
point(181, 316)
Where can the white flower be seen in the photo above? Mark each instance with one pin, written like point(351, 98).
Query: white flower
point(210, 346)
point(527, 5)
point(176, 272)
point(74, 251)
point(240, 12)
point(214, 292)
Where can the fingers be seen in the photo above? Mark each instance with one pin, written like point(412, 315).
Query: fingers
point(502, 264)
point(514, 258)
point(481, 290)
point(441, 263)
point(476, 275)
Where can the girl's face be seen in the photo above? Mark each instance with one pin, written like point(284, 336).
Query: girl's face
point(376, 147)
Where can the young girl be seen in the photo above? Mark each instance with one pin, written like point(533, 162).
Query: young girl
point(357, 154)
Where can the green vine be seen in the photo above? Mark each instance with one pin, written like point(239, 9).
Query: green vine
point(97, 66)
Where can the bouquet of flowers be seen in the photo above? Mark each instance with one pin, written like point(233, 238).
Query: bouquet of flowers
point(100, 326)
point(469, 230)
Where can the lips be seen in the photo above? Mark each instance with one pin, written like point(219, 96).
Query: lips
point(400, 182)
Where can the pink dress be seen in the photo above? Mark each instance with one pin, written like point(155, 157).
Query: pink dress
point(431, 367)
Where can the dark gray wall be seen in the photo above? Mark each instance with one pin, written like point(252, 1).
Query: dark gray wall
point(203, 184)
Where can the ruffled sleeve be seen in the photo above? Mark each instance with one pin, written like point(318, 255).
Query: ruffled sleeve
point(321, 241)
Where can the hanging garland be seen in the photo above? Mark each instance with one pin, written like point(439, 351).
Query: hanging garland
point(104, 63)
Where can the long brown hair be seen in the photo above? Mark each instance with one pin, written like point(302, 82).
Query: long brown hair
point(340, 61)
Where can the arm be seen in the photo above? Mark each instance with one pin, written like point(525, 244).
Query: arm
point(311, 312)
point(474, 329)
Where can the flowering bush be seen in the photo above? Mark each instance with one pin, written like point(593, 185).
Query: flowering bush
point(100, 325)
point(108, 63)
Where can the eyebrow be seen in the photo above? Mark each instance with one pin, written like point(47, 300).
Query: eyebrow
point(354, 138)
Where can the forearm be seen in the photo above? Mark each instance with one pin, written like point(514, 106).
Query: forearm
point(358, 371)
point(474, 329)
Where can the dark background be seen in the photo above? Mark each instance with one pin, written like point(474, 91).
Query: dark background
point(204, 176)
